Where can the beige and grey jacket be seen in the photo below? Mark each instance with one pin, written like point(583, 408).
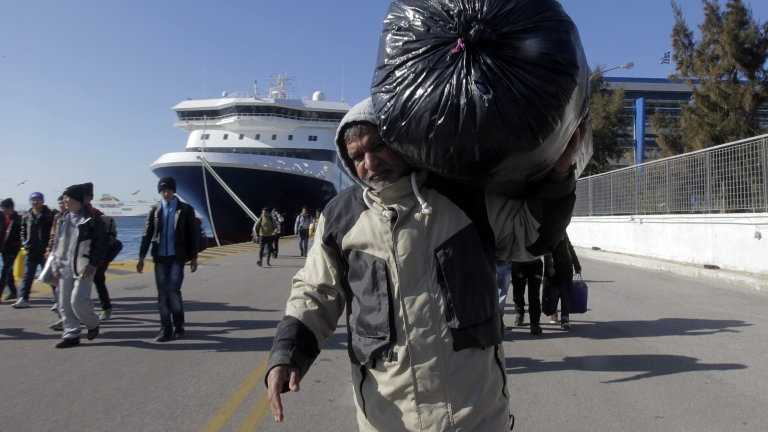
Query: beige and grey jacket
point(418, 289)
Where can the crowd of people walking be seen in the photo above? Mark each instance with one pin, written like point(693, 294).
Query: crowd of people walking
point(73, 247)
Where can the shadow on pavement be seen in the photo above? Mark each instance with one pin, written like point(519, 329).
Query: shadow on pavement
point(632, 329)
point(642, 366)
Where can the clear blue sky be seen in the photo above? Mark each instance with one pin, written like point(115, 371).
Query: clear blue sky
point(86, 87)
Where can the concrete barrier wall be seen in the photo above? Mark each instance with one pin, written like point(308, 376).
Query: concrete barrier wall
point(727, 241)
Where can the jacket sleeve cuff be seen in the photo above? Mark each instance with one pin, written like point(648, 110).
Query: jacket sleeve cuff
point(295, 345)
point(557, 185)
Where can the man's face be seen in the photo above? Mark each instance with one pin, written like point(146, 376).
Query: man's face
point(376, 164)
point(303, 212)
point(317, 214)
point(167, 194)
point(36, 203)
point(62, 205)
point(72, 205)
point(264, 213)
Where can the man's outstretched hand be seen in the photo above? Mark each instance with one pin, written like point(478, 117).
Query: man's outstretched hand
point(278, 376)
point(563, 164)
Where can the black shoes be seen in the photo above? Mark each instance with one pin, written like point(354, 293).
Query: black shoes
point(178, 332)
point(93, 333)
point(520, 318)
point(164, 336)
point(258, 263)
point(535, 328)
point(69, 342)
point(565, 324)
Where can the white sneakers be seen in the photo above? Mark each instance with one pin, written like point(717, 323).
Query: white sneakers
point(553, 319)
point(21, 304)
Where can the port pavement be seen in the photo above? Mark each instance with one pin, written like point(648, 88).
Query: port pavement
point(656, 351)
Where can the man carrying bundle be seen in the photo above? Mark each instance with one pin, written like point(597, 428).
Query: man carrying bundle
point(411, 257)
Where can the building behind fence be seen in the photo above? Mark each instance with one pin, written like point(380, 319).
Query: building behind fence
point(723, 179)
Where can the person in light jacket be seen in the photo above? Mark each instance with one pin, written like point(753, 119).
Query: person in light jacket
point(410, 257)
point(80, 246)
point(301, 228)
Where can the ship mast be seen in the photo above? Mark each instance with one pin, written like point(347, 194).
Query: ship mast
point(279, 87)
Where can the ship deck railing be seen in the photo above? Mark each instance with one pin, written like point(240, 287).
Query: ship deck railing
point(283, 116)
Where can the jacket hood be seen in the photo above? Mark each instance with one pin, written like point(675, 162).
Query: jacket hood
point(363, 111)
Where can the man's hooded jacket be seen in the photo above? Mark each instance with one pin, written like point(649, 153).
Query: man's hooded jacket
point(412, 264)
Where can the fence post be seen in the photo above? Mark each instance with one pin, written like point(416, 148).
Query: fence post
point(666, 179)
point(611, 177)
point(590, 195)
point(765, 174)
point(709, 183)
point(637, 190)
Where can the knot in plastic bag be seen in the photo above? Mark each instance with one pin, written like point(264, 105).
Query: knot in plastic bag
point(471, 29)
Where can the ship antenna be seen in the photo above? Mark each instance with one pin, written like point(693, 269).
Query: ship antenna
point(342, 84)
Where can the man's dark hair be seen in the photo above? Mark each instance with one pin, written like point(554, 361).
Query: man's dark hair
point(304, 208)
point(60, 198)
point(356, 130)
point(7, 203)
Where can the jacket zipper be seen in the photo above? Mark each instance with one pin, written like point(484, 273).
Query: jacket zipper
point(364, 374)
point(503, 372)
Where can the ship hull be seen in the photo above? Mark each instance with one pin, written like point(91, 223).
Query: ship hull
point(256, 187)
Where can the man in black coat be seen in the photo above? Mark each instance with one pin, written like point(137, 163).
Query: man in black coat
point(10, 244)
point(172, 231)
point(35, 233)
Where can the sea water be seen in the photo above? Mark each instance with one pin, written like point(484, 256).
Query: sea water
point(129, 232)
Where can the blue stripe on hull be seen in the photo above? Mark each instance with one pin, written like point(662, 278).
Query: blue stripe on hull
point(256, 188)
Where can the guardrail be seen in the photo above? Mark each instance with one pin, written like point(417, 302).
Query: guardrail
point(225, 116)
point(727, 178)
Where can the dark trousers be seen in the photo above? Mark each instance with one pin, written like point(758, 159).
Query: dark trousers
point(6, 275)
point(530, 275)
point(304, 241)
point(266, 247)
point(31, 263)
point(275, 246)
point(100, 281)
point(566, 289)
point(169, 274)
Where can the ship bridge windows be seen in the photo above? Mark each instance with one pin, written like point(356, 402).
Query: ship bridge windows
point(306, 154)
point(313, 138)
point(260, 110)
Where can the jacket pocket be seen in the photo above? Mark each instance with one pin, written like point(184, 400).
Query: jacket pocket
point(467, 278)
point(370, 313)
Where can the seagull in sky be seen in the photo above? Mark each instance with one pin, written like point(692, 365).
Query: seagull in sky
point(136, 192)
point(22, 183)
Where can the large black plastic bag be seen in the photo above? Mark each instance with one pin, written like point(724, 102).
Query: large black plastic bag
point(488, 91)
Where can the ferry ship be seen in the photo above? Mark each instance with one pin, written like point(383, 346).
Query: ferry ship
point(247, 152)
point(111, 206)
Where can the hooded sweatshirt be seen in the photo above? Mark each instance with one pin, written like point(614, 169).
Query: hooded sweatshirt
point(412, 266)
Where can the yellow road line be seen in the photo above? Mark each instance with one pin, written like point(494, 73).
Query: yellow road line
point(221, 418)
point(257, 414)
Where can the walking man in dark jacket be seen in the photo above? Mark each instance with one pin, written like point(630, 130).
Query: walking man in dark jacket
point(301, 228)
point(114, 248)
point(10, 244)
point(560, 266)
point(530, 273)
point(280, 222)
point(172, 231)
point(35, 233)
point(80, 246)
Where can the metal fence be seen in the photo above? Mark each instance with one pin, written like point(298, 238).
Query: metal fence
point(727, 178)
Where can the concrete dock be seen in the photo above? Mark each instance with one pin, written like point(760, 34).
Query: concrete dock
point(656, 351)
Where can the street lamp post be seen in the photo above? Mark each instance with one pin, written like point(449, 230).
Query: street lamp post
point(629, 65)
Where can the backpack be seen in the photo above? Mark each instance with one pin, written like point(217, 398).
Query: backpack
point(115, 245)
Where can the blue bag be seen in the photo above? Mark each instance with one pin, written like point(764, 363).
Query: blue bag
point(579, 296)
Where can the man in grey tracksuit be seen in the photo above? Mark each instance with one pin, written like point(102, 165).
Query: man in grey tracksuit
point(410, 256)
point(80, 246)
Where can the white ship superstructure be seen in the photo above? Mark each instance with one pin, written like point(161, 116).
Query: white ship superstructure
point(111, 206)
point(270, 152)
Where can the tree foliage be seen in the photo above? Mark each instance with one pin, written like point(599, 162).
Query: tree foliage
point(609, 123)
point(726, 69)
